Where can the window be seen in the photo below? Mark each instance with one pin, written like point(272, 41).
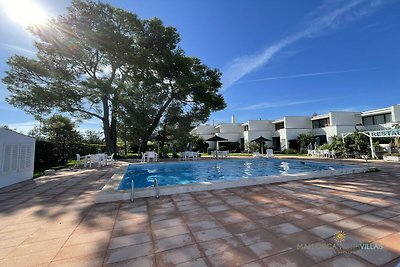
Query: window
point(320, 123)
point(377, 119)
point(246, 128)
point(368, 120)
point(279, 126)
point(388, 118)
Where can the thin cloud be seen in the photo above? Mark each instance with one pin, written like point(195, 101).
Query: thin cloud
point(16, 48)
point(266, 105)
point(322, 73)
point(350, 11)
point(23, 127)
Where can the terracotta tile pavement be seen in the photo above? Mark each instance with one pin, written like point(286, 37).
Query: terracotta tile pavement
point(55, 222)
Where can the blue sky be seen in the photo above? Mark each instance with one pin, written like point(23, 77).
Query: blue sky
point(277, 57)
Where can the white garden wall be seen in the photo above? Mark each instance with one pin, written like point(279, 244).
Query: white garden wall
point(17, 154)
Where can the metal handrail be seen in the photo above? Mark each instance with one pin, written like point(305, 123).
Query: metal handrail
point(156, 187)
point(132, 189)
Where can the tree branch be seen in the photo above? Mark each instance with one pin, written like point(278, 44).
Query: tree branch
point(88, 112)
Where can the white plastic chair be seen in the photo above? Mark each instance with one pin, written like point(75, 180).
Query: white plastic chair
point(79, 160)
point(257, 155)
point(110, 159)
point(310, 152)
point(314, 153)
point(225, 154)
point(191, 154)
point(270, 153)
point(99, 159)
point(152, 155)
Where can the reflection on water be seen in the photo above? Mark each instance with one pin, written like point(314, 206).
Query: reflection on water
point(200, 171)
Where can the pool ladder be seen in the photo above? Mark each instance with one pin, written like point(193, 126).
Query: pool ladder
point(132, 190)
point(155, 187)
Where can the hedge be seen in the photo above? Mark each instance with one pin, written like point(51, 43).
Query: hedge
point(50, 154)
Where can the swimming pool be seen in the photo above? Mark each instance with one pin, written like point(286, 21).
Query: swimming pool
point(182, 173)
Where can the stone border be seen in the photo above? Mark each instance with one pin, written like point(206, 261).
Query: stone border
point(110, 192)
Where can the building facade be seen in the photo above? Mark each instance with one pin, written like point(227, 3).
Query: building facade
point(284, 132)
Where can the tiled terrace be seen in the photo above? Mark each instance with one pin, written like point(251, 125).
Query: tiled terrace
point(54, 222)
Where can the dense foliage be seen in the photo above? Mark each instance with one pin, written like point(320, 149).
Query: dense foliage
point(104, 62)
point(304, 140)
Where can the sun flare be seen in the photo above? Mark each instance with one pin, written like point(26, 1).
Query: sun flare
point(25, 12)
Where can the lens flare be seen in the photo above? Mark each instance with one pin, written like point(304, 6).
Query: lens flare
point(24, 12)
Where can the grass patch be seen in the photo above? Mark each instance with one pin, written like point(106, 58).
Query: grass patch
point(40, 171)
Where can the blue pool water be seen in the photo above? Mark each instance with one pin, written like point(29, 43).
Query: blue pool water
point(178, 173)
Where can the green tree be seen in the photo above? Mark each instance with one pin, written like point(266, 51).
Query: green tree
point(93, 137)
point(177, 94)
point(338, 146)
point(61, 131)
point(83, 61)
point(357, 143)
point(305, 139)
point(252, 146)
point(101, 61)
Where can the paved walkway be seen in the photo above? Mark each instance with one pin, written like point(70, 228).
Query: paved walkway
point(54, 222)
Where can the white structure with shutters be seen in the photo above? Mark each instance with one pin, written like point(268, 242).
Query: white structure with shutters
point(17, 154)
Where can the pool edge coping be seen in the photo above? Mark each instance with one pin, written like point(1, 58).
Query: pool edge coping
point(110, 192)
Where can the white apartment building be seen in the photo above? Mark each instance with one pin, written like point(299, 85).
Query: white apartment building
point(284, 132)
point(256, 128)
point(287, 129)
point(233, 132)
point(380, 119)
point(335, 123)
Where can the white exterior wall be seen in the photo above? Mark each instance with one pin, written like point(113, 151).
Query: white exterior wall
point(17, 155)
point(396, 113)
point(231, 131)
point(340, 122)
point(338, 118)
point(297, 122)
point(229, 128)
point(289, 134)
point(205, 129)
point(393, 110)
point(331, 131)
point(257, 128)
point(260, 125)
point(293, 126)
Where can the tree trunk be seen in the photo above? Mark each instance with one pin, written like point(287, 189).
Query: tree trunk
point(110, 130)
point(143, 145)
point(153, 126)
point(108, 137)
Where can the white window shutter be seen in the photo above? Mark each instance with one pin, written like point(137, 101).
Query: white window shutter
point(22, 156)
point(14, 157)
point(7, 158)
point(28, 156)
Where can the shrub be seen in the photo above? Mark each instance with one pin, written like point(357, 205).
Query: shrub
point(304, 140)
point(222, 147)
point(324, 147)
point(51, 154)
point(290, 151)
point(392, 154)
point(233, 147)
point(199, 144)
point(251, 146)
point(294, 144)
